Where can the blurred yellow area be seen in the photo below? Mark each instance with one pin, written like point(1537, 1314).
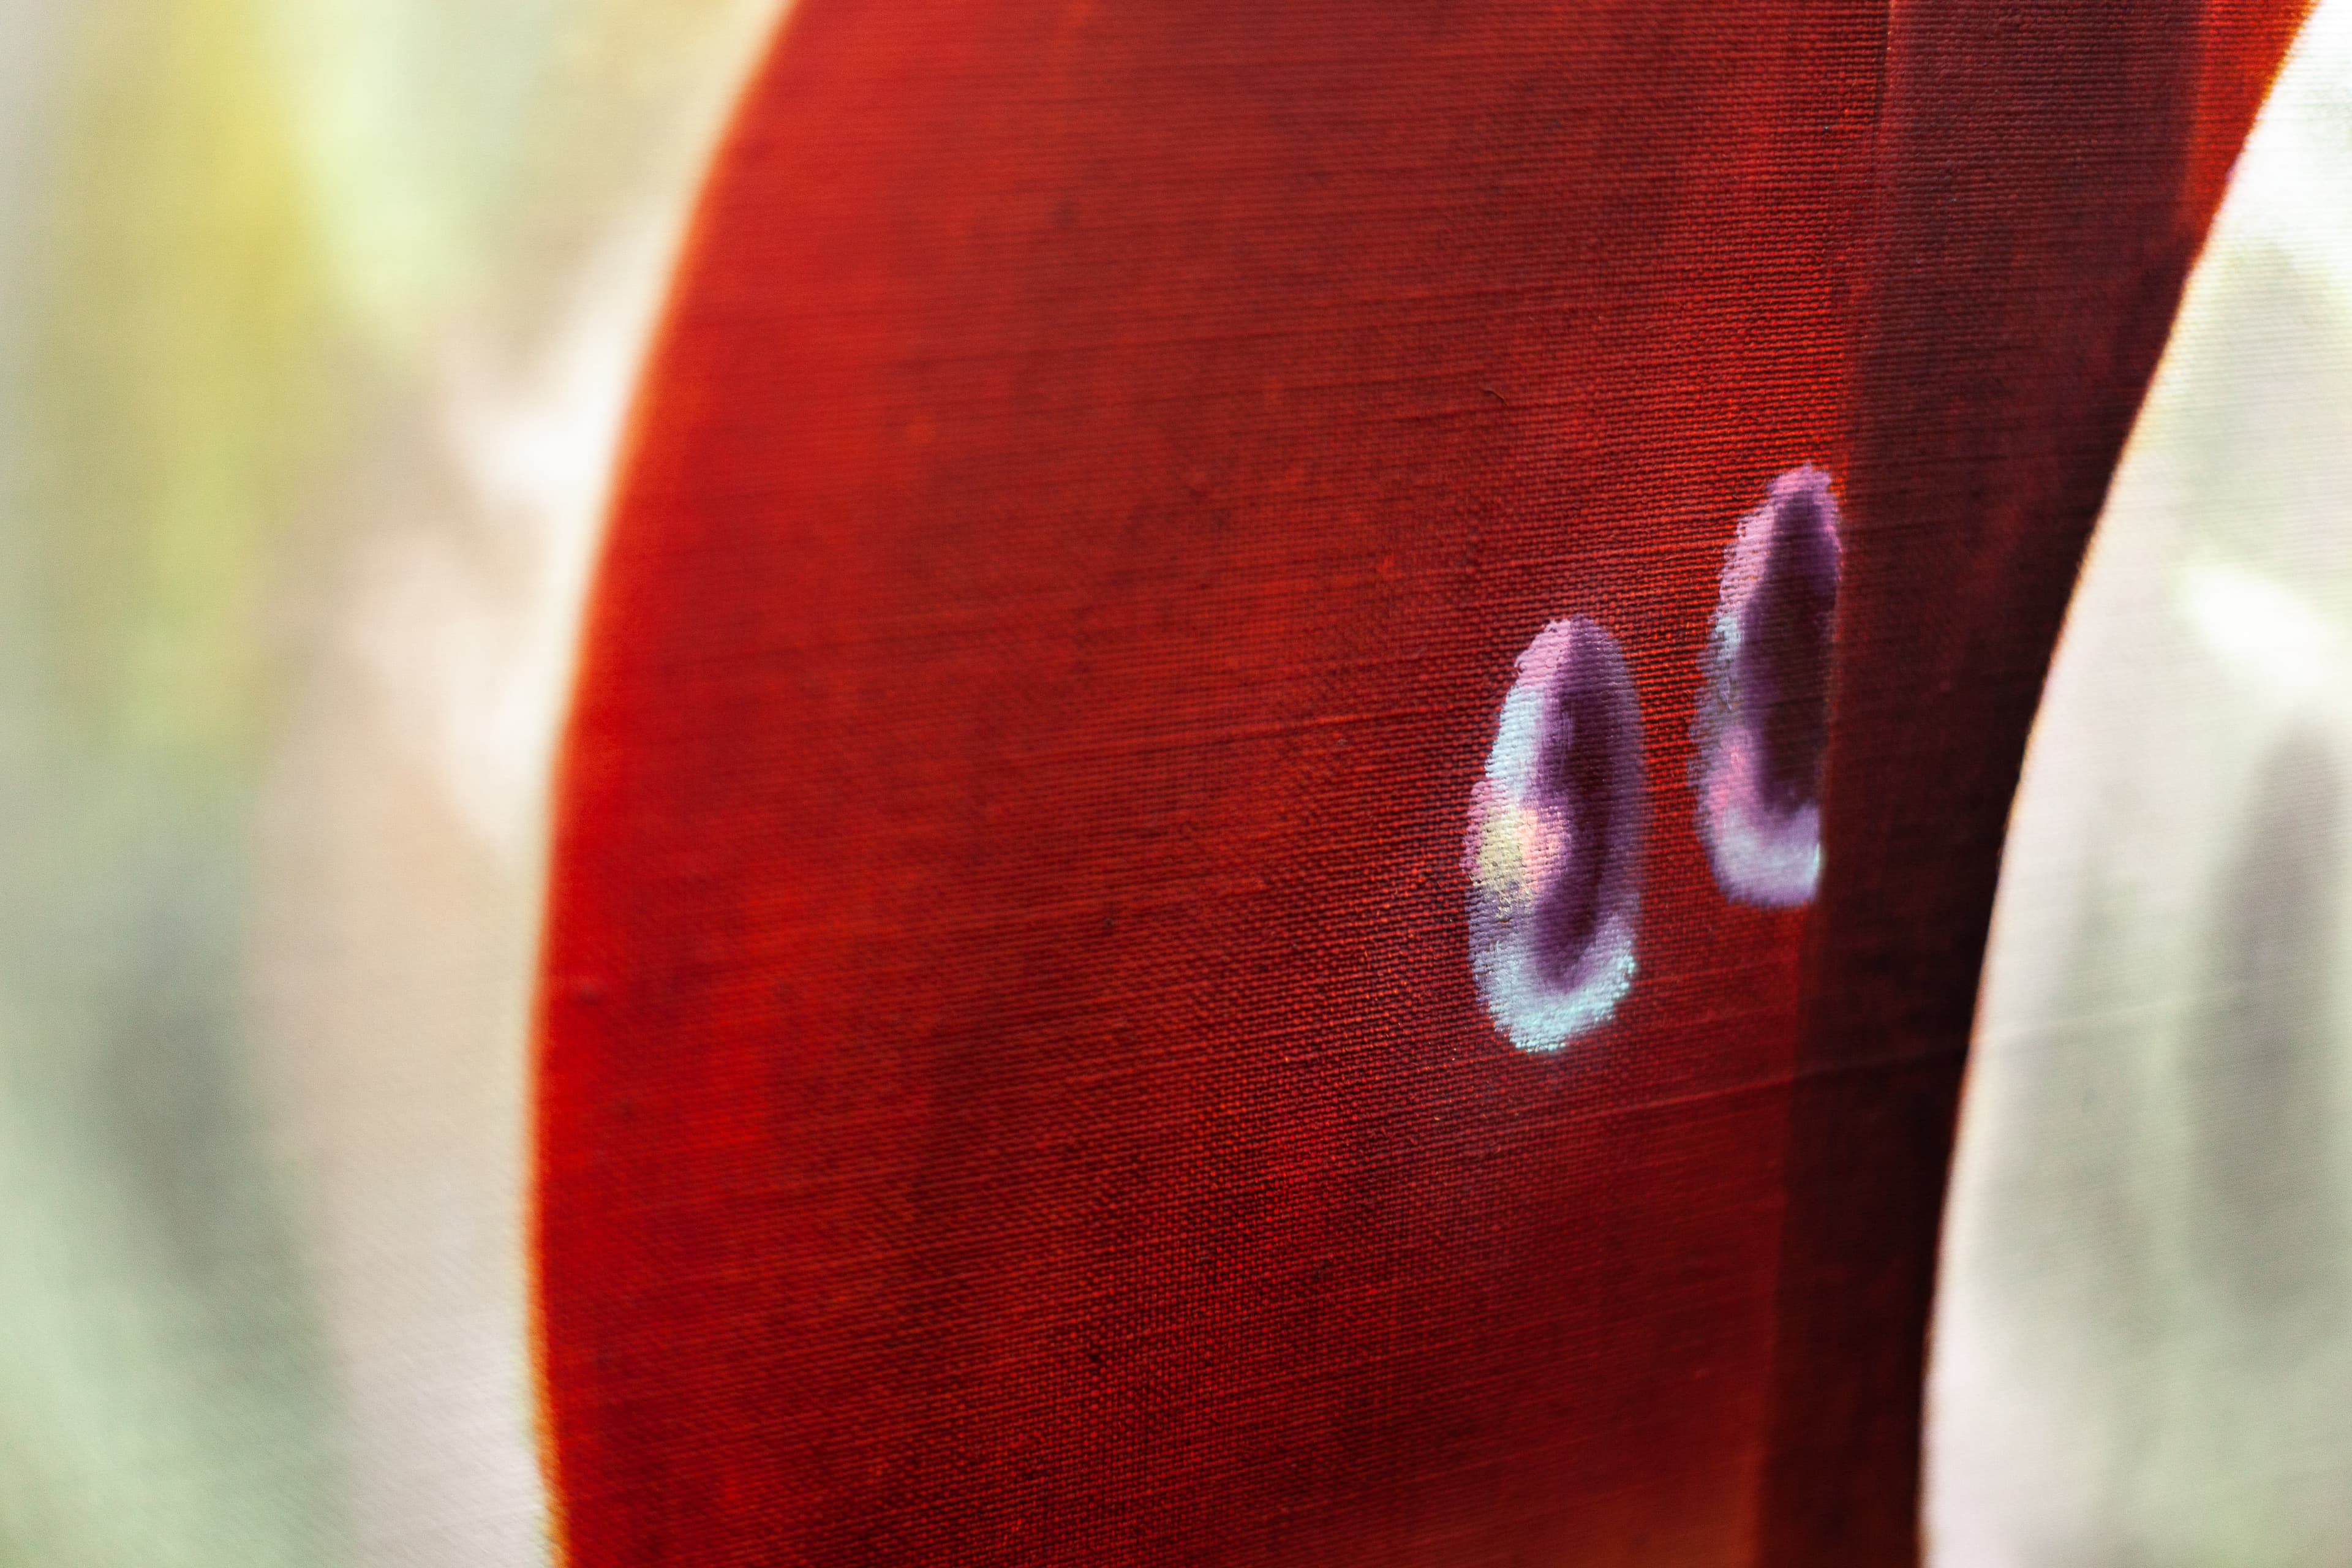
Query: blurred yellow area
point(318, 322)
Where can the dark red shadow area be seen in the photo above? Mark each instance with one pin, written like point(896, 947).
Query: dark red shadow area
point(1011, 1089)
point(2046, 175)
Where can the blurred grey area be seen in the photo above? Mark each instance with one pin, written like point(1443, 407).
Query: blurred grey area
point(317, 324)
point(2143, 1346)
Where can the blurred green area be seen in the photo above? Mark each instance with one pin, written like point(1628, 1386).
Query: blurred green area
point(164, 1394)
point(236, 239)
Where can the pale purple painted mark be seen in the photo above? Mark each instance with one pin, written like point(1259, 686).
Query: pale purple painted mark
point(1762, 730)
point(1554, 846)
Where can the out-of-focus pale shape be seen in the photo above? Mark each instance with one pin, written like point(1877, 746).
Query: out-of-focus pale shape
point(473, 658)
point(400, 857)
point(532, 207)
point(2143, 1347)
point(319, 320)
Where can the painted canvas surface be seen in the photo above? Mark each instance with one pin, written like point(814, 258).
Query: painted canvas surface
point(976, 781)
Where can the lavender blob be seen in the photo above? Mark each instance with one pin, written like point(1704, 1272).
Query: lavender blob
point(1763, 722)
point(1554, 848)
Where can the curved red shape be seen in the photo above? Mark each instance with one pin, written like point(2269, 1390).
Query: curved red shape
point(1011, 1088)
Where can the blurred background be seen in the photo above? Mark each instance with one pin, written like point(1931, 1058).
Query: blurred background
point(318, 325)
point(318, 322)
point(2143, 1345)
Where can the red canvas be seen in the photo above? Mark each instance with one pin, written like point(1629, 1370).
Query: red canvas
point(1015, 1085)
